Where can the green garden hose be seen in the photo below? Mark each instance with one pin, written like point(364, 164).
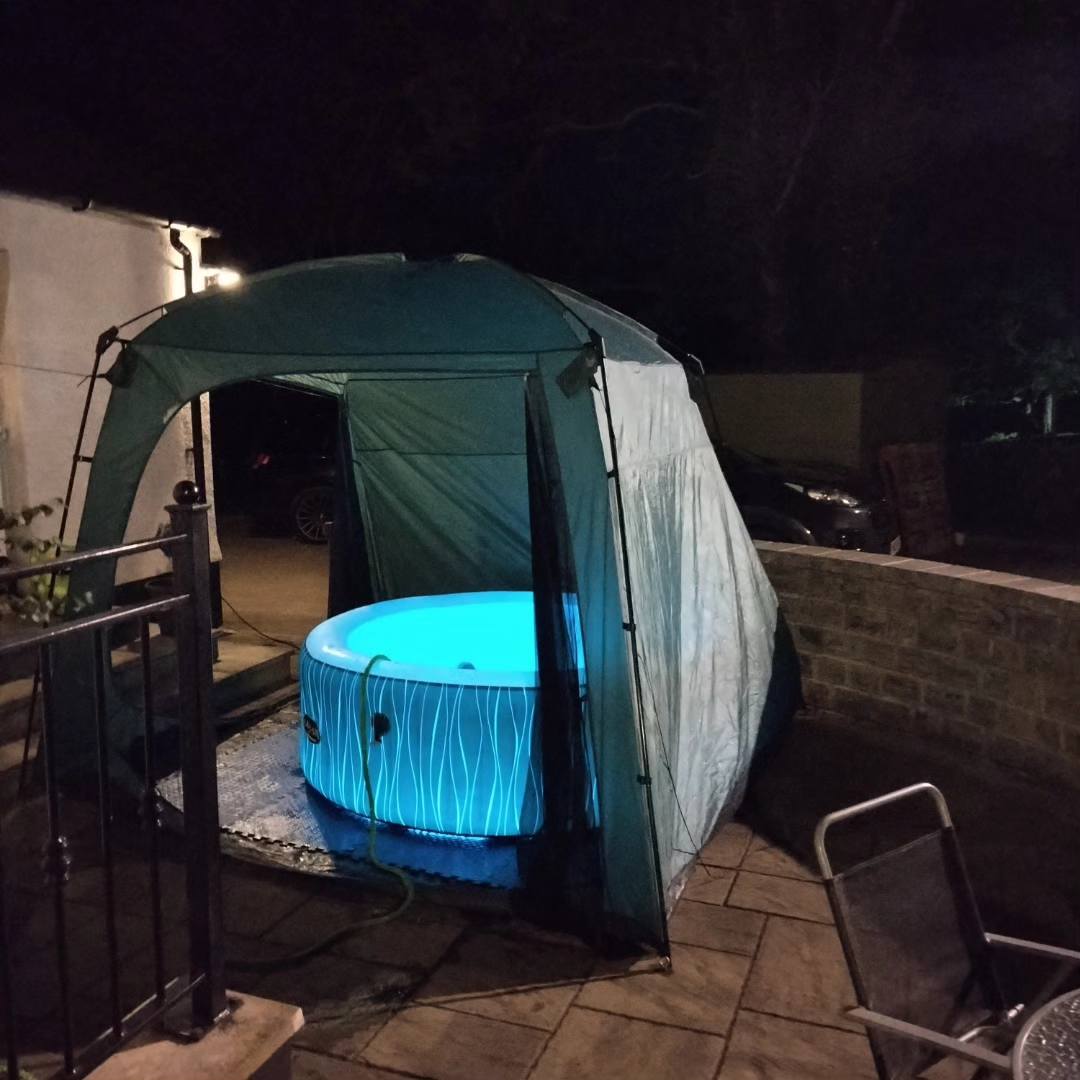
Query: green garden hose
point(373, 830)
point(292, 959)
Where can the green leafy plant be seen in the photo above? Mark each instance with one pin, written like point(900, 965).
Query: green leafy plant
point(21, 519)
point(45, 596)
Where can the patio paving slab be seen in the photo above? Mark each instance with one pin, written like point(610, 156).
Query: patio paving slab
point(758, 988)
point(137, 970)
point(713, 927)
point(780, 896)
point(800, 972)
point(709, 884)
point(255, 900)
point(524, 981)
point(769, 1048)
point(418, 938)
point(345, 1001)
point(241, 950)
point(445, 1045)
point(728, 846)
point(701, 991)
point(309, 1066)
point(131, 888)
point(602, 1046)
point(764, 857)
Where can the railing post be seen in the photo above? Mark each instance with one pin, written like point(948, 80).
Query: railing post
point(191, 575)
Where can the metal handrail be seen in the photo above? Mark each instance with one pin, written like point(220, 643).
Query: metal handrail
point(39, 635)
point(55, 566)
point(189, 607)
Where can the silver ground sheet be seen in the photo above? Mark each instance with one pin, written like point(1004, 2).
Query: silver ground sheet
point(265, 804)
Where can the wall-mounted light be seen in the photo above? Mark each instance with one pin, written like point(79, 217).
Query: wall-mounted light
point(220, 276)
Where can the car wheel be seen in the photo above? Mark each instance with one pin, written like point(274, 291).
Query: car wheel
point(312, 513)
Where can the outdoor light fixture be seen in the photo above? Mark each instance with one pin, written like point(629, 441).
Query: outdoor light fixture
point(221, 277)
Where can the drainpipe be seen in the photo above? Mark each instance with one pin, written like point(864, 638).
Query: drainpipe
point(196, 405)
point(197, 458)
point(3, 462)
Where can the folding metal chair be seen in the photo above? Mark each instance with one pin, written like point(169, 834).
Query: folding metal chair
point(923, 966)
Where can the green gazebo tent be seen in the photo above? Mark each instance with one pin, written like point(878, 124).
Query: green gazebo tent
point(442, 370)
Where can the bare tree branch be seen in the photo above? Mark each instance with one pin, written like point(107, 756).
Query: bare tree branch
point(626, 120)
point(892, 27)
point(809, 133)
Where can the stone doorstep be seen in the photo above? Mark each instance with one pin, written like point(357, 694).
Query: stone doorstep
point(252, 1043)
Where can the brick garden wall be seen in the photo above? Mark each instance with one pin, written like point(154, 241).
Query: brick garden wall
point(983, 663)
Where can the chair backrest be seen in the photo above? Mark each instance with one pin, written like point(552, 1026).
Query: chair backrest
point(914, 939)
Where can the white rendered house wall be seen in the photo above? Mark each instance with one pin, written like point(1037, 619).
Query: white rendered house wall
point(65, 276)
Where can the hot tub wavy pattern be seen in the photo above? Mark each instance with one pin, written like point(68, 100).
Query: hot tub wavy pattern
point(457, 759)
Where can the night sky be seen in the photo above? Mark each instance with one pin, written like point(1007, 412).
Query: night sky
point(770, 183)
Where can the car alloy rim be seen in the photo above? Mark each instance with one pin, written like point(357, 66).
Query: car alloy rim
point(312, 516)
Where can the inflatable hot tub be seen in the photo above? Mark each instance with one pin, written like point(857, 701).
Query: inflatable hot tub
point(453, 736)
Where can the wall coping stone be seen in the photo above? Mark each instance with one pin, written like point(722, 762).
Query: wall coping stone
point(1025, 588)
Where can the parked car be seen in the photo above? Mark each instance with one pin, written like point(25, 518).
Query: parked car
point(290, 486)
point(807, 504)
point(274, 452)
point(294, 490)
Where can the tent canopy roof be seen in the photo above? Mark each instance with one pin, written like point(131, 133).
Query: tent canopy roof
point(385, 333)
point(387, 305)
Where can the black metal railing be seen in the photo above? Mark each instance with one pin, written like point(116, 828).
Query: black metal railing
point(203, 979)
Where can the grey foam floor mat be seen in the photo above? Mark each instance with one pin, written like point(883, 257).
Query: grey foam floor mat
point(264, 799)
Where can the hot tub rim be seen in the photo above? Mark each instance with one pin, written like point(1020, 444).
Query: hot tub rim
point(325, 644)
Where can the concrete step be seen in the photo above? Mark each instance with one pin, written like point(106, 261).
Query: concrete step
point(10, 766)
point(14, 701)
point(247, 672)
point(244, 716)
point(243, 673)
point(252, 1043)
point(126, 663)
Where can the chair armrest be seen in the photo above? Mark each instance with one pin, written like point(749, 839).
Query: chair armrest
point(1067, 961)
point(945, 1043)
point(1033, 948)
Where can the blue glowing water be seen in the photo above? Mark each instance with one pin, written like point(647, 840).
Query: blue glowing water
point(464, 639)
point(489, 634)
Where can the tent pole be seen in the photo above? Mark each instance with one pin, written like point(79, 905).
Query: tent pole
point(688, 360)
point(630, 626)
point(104, 342)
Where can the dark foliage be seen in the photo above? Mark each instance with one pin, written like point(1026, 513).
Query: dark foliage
point(771, 182)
